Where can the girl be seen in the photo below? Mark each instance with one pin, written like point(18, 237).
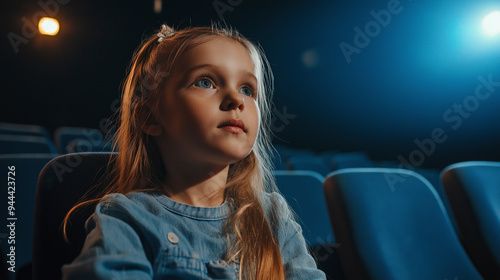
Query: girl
point(189, 195)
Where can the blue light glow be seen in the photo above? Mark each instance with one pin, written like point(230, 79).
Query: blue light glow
point(491, 23)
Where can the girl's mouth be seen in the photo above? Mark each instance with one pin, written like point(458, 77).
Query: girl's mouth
point(233, 125)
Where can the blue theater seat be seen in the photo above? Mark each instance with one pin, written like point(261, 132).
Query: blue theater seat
point(64, 135)
point(391, 225)
point(24, 129)
point(303, 190)
point(328, 155)
point(473, 190)
point(25, 144)
point(351, 160)
point(85, 146)
point(434, 177)
point(309, 162)
point(62, 182)
point(27, 168)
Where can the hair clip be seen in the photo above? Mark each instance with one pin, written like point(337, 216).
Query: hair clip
point(165, 32)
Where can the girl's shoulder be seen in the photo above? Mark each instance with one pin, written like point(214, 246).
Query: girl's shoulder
point(134, 201)
point(131, 197)
point(276, 208)
point(273, 200)
point(280, 217)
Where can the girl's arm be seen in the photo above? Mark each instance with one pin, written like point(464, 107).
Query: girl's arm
point(297, 262)
point(113, 248)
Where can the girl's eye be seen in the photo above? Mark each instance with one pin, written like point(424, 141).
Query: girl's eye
point(247, 91)
point(204, 83)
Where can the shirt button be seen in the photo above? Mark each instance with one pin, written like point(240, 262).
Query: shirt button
point(172, 238)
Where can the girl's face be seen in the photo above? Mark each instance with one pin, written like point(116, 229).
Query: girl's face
point(207, 110)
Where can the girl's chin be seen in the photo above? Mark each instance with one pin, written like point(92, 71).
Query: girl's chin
point(237, 152)
point(234, 158)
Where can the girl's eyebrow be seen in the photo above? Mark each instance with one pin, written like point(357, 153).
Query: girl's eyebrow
point(215, 67)
point(194, 68)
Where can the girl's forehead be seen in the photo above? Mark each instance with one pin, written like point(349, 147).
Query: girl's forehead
point(219, 44)
point(216, 50)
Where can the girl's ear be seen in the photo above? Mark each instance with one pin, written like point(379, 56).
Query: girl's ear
point(147, 120)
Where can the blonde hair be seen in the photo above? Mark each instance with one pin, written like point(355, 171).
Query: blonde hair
point(138, 166)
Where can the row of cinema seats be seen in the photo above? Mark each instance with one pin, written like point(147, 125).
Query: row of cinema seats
point(387, 223)
point(329, 161)
point(381, 229)
point(394, 223)
point(22, 138)
point(28, 148)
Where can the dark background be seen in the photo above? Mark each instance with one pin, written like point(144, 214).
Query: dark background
point(425, 60)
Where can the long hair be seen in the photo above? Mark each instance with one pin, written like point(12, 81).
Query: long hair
point(138, 166)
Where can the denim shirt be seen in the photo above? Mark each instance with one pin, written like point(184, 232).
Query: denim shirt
point(149, 236)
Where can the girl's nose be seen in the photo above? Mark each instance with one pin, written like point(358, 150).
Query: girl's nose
point(233, 100)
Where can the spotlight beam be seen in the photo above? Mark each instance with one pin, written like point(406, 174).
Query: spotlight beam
point(491, 23)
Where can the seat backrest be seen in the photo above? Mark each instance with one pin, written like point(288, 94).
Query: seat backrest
point(473, 190)
point(434, 177)
point(309, 162)
point(65, 134)
point(303, 190)
point(390, 224)
point(85, 146)
point(26, 144)
point(24, 129)
point(351, 160)
point(62, 182)
point(21, 175)
point(327, 156)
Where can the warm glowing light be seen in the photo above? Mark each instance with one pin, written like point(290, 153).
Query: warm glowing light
point(158, 6)
point(48, 26)
point(491, 23)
